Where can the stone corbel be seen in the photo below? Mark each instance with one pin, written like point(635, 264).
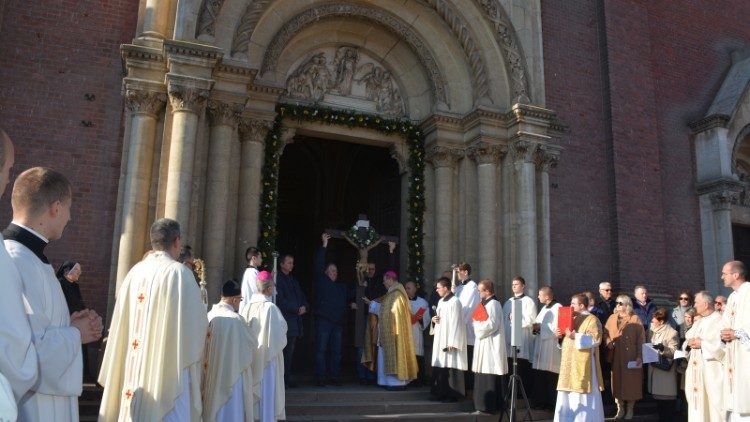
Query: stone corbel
point(723, 200)
point(442, 156)
point(140, 101)
point(224, 113)
point(522, 150)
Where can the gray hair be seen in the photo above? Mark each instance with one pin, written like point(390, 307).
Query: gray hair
point(604, 284)
point(263, 284)
point(707, 297)
point(164, 232)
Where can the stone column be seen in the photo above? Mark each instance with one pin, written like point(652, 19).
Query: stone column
point(398, 153)
point(252, 136)
point(155, 20)
point(722, 202)
point(525, 213)
point(143, 107)
point(545, 159)
point(188, 100)
point(444, 161)
point(223, 118)
point(486, 156)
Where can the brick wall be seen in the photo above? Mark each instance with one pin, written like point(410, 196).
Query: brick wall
point(628, 76)
point(52, 54)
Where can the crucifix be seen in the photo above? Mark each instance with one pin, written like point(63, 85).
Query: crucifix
point(363, 238)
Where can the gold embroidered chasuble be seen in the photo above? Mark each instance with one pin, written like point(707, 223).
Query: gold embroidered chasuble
point(575, 370)
point(396, 334)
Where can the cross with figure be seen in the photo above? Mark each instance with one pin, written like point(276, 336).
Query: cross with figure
point(364, 238)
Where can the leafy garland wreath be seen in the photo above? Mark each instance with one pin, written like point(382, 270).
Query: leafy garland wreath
point(300, 113)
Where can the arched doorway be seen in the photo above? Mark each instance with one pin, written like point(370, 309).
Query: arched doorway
point(326, 184)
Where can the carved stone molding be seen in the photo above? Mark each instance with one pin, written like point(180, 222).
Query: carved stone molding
point(546, 158)
point(388, 21)
point(709, 122)
point(224, 113)
point(254, 130)
point(246, 25)
point(522, 151)
point(441, 156)
point(207, 17)
point(483, 153)
point(506, 36)
point(140, 101)
point(187, 98)
point(461, 31)
point(398, 154)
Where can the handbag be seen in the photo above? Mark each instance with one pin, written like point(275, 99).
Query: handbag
point(664, 363)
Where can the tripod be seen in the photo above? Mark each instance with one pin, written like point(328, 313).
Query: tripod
point(514, 381)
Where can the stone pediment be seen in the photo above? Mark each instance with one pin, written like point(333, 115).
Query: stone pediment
point(344, 77)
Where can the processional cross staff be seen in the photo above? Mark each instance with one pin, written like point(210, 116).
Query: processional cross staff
point(363, 238)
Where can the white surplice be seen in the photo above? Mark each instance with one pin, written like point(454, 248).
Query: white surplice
point(737, 357)
point(528, 313)
point(546, 350)
point(228, 367)
point(153, 363)
point(417, 329)
point(449, 332)
point(18, 362)
point(248, 287)
point(57, 343)
point(489, 348)
point(704, 374)
point(468, 295)
point(268, 326)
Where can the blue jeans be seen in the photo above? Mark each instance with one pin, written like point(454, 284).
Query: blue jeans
point(328, 344)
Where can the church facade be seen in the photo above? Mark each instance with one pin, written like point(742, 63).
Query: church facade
point(567, 142)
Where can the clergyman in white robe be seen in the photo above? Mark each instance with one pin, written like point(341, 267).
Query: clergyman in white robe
point(249, 286)
point(737, 358)
point(153, 362)
point(267, 324)
point(58, 344)
point(418, 328)
point(704, 375)
point(546, 361)
point(228, 377)
point(490, 360)
point(449, 350)
point(18, 361)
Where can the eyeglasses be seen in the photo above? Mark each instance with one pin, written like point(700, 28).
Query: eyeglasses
point(684, 298)
point(723, 273)
point(606, 290)
point(620, 304)
point(718, 303)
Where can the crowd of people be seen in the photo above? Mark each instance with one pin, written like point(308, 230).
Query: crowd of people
point(167, 358)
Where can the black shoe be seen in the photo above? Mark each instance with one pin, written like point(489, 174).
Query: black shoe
point(335, 383)
point(320, 383)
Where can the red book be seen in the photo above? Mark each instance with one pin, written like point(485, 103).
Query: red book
point(416, 317)
point(480, 313)
point(565, 318)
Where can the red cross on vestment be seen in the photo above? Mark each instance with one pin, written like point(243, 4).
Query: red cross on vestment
point(135, 344)
point(141, 297)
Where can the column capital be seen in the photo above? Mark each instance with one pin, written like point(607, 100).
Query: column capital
point(254, 130)
point(224, 113)
point(522, 151)
point(484, 153)
point(442, 156)
point(546, 158)
point(187, 93)
point(141, 101)
point(724, 199)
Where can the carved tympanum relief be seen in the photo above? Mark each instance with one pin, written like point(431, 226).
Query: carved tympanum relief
point(346, 77)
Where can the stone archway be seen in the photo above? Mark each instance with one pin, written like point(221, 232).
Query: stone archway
point(204, 78)
point(722, 145)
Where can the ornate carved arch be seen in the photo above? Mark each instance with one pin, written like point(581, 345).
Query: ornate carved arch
point(388, 21)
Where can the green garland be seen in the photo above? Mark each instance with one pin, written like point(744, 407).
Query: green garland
point(270, 183)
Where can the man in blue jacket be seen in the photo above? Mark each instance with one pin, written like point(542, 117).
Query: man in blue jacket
point(293, 305)
point(643, 306)
point(330, 311)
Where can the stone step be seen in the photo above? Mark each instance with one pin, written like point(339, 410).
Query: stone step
point(352, 394)
point(377, 408)
point(404, 417)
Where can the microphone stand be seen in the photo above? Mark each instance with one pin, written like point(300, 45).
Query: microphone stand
point(510, 396)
